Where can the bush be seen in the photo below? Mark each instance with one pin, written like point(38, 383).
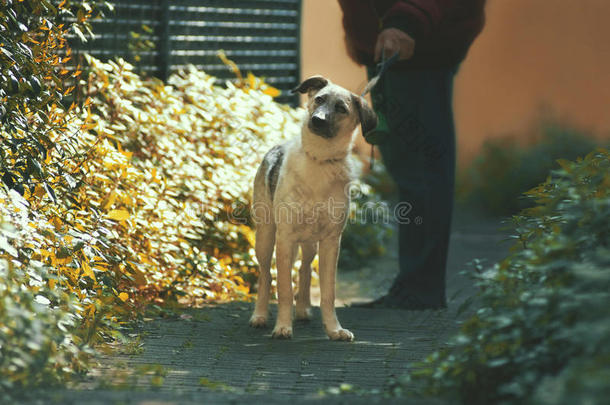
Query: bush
point(191, 150)
point(541, 333)
point(37, 346)
point(369, 227)
point(495, 181)
point(37, 320)
point(33, 54)
point(124, 201)
point(141, 211)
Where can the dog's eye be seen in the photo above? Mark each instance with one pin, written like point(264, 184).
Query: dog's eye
point(318, 100)
point(340, 108)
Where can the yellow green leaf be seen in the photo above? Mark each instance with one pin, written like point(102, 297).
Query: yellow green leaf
point(118, 215)
point(272, 91)
point(87, 271)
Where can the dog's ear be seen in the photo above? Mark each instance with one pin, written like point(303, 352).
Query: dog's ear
point(367, 116)
point(313, 83)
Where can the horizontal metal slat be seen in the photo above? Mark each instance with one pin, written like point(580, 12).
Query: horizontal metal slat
point(228, 39)
point(125, 21)
point(134, 5)
point(243, 3)
point(234, 18)
point(113, 36)
point(233, 11)
point(280, 78)
point(235, 25)
point(110, 52)
point(279, 81)
point(253, 66)
point(201, 31)
point(227, 46)
point(245, 53)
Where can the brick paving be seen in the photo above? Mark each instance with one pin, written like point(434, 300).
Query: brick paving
point(211, 355)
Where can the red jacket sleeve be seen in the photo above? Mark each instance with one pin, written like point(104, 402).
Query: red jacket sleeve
point(443, 29)
point(416, 17)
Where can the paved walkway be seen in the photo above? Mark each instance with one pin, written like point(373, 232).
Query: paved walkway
point(210, 355)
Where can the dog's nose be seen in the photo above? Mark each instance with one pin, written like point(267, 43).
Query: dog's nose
point(318, 122)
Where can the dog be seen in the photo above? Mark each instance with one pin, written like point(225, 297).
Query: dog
point(301, 198)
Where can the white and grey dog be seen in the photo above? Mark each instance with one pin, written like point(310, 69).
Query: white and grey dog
point(301, 198)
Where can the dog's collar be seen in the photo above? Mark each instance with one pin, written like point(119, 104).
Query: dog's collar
point(315, 159)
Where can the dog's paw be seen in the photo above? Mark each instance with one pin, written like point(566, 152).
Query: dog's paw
point(282, 332)
point(303, 314)
point(341, 335)
point(258, 321)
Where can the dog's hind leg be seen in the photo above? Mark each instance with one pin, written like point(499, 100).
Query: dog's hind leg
point(303, 308)
point(265, 240)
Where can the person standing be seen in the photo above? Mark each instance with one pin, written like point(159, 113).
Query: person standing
point(416, 134)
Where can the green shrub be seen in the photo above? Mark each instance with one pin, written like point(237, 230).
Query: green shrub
point(505, 168)
point(37, 343)
point(33, 54)
point(42, 341)
point(140, 211)
point(369, 227)
point(120, 202)
point(540, 331)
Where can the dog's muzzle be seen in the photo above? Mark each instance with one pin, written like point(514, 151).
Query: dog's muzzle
point(319, 124)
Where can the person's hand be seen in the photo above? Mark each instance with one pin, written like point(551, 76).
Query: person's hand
point(392, 40)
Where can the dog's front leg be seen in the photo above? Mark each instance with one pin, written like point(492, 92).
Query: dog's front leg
point(328, 251)
point(285, 250)
point(303, 298)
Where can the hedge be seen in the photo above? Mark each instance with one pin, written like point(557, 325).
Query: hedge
point(540, 333)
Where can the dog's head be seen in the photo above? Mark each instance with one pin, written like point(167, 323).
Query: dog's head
point(333, 110)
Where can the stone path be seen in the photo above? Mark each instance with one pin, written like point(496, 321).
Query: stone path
point(210, 355)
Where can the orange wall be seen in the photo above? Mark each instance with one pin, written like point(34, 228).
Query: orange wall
point(534, 55)
point(323, 50)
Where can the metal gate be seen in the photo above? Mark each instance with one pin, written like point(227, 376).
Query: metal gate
point(162, 36)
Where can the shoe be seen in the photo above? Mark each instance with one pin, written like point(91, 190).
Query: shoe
point(406, 302)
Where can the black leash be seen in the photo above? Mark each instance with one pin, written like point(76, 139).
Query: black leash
point(382, 67)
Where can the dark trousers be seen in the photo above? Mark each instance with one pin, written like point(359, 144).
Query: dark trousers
point(419, 153)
